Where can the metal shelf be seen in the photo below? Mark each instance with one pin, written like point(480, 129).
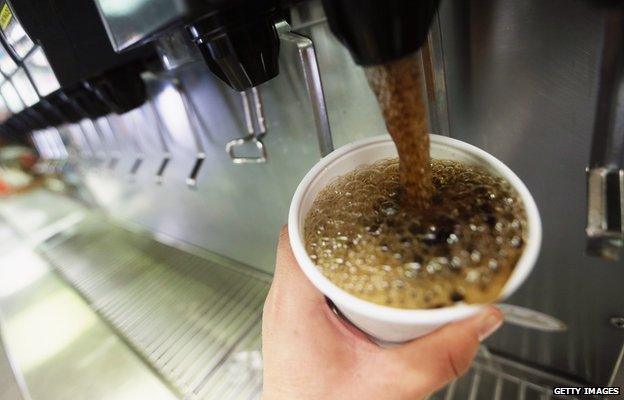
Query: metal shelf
point(497, 378)
point(194, 321)
point(197, 322)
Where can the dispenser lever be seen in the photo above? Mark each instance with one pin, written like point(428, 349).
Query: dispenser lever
point(117, 153)
point(98, 155)
point(138, 161)
point(191, 112)
point(252, 106)
point(87, 141)
point(56, 137)
point(43, 151)
point(605, 175)
point(314, 84)
point(162, 137)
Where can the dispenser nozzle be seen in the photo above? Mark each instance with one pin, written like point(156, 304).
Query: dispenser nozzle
point(376, 32)
point(240, 44)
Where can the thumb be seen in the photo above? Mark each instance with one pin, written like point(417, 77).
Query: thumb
point(446, 354)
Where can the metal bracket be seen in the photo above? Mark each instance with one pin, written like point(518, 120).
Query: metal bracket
point(86, 140)
point(138, 161)
point(193, 117)
point(162, 137)
point(432, 57)
point(51, 148)
point(114, 145)
point(251, 101)
point(605, 212)
point(605, 175)
point(42, 149)
point(60, 150)
point(77, 140)
point(314, 84)
point(98, 155)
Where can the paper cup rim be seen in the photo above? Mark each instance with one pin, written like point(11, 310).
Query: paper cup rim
point(523, 267)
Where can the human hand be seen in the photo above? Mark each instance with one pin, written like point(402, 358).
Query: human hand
point(310, 353)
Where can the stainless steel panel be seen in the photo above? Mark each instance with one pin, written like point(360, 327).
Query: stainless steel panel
point(522, 80)
point(235, 210)
point(186, 316)
point(57, 345)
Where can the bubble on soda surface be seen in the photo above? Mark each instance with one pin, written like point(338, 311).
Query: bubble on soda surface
point(463, 247)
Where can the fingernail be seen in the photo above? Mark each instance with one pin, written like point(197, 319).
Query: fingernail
point(489, 324)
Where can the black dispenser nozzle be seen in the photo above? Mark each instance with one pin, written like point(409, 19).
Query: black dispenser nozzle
point(240, 43)
point(376, 32)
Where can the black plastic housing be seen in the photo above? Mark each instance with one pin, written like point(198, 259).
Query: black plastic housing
point(376, 32)
point(240, 43)
point(73, 38)
point(237, 38)
point(64, 106)
point(122, 89)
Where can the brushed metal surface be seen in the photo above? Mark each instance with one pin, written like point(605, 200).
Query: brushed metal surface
point(58, 346)
point(520, 79)
point(522, 82)
point(193, 319)
point(234, 210)
point(188, 317)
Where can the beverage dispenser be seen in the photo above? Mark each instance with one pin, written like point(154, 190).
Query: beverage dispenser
point(187, 126)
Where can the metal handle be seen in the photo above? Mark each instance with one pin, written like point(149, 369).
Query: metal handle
point(253, 110)
point(104, 142)
point(605, 212)
point(88, 126)
point(56, 136)
point(53, 138)
point(51, 154)
point(84, 136)
point(314, 84)
point(42, 149)
point(162, 138)
point(77, 140)
point(191, 180)
point(605, 175)
point(112, 143)
point(194, 120)
point(138, 161)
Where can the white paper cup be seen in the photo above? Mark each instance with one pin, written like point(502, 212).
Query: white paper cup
point(387, 324)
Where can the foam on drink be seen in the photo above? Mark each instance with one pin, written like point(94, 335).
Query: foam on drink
point(463, 248)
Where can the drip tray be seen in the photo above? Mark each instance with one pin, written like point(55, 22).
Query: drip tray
point(194, 321)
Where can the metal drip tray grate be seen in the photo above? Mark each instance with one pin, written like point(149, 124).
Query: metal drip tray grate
point(194, 321)
point(197, 322)
point(496, 378)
